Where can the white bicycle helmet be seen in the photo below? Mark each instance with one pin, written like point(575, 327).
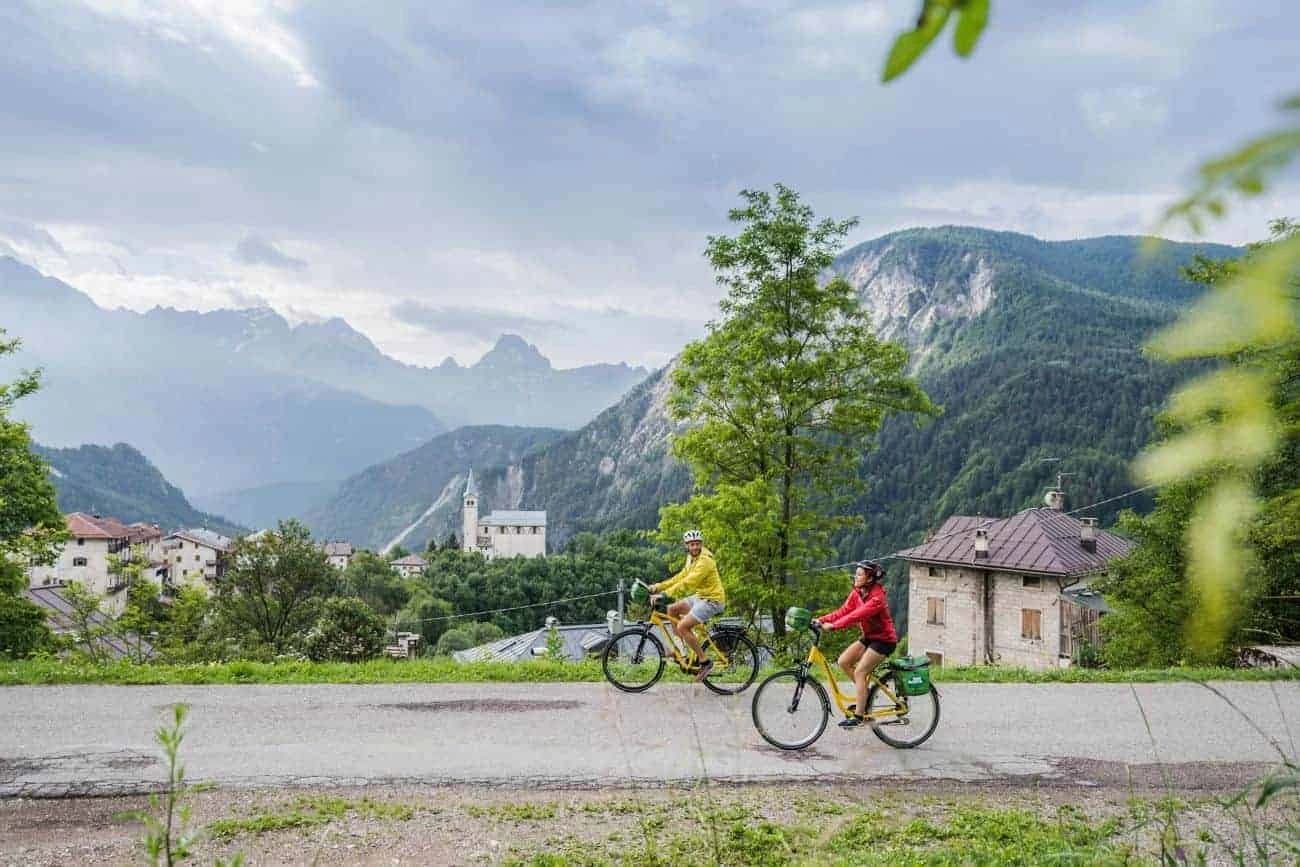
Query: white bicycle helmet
point(692, 536)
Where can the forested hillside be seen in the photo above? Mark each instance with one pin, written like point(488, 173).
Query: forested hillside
point(121, 482)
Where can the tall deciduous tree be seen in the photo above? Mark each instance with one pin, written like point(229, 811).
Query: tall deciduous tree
point(30, 523)
point(274, 586)
point(784, 395)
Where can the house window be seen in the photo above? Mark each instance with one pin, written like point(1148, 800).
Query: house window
point(936, 659)
point(934, 610)
point(196, 558)
point(1031, 624)
point(936, 572)
point(1031, 582)
point(78, 561)
point(178, 558)
point(81, 541)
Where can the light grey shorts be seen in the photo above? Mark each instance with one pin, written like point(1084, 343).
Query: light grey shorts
point(704, 610)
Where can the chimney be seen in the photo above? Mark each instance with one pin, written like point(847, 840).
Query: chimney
point(981, 543)
point(1055, 499)
point(1088, 534)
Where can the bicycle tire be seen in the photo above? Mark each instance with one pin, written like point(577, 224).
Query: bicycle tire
point(770, 698)
point(885, 730)
point(741, 647)
point(643, 638)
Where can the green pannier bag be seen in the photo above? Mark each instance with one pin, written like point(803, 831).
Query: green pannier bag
point(913, 674)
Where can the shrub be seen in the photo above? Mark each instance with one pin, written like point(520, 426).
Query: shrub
point(346, 631)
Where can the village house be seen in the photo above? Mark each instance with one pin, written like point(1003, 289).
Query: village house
point(409, 566)
point(339, 554)
point(510, 533)
point(84, 558)
point(1009, 591)
point(195, 557)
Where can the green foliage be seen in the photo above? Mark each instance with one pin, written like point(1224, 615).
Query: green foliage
point(307, 811)
point(372, 579)
point(1189, 592)
point(23, 630)
point(972, 17)
point(31, 526)
point(467, 635)
point(782, 396)
point(88, 623)
point(346, 631)
point(271, 593)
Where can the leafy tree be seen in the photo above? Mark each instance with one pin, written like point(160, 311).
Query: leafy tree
point(31, 526)
point(372, 579)
point(452, 543)
point(397, 552)
point(425, 614)
point(348, 630)
point(90, 625)
point(144, 618)
point(1168, 610)
point(274, 585)
point(23, 630)
point(466, 636)
point(784, 394)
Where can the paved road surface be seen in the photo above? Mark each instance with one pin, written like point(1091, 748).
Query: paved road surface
point(70, 740)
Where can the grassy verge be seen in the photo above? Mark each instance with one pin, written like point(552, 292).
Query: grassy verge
point(53, 671)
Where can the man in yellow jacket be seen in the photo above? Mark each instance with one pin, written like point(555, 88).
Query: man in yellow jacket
point(699, 593)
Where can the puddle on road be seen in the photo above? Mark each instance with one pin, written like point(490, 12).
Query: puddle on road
point(478, 705)
point(809, 754)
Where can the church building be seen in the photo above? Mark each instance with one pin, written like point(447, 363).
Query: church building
point(508, 533)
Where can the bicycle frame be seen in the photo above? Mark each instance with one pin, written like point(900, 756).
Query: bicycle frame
point(842, 701)
point(683, 657)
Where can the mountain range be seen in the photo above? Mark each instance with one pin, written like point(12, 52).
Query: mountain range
point(245, 411)
point(1034, 349)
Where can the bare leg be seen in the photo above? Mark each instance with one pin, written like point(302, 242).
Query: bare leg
point(866, 665)
point(849, 658)
point(686, 631)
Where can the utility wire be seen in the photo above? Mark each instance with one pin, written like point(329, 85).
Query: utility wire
point(504, 610)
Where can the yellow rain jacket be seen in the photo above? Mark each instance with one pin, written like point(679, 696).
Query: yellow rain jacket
point(698, 578)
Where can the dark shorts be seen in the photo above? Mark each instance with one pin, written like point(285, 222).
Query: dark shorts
point(884, 648)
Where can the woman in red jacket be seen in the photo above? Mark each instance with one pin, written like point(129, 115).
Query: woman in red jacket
point(867, 608)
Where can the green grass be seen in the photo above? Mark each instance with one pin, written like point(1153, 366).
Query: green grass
point(54, 671)
point(306, 811)
point(967, 835)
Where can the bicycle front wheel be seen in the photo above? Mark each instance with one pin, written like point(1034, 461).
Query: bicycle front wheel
point(741, 666)
point(908, 723)
point(791, 709)
point(633, 660)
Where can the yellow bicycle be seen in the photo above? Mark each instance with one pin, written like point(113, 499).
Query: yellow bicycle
point(634, 659)
point(791, 708)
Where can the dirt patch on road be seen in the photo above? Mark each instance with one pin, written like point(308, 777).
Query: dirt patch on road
point(475, 705)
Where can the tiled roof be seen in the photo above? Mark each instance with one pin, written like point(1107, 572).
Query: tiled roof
point(1036, 540)
point(579, 641)
point(204, 537)
point(509, 518)
point(411, 560)
point(84, 526)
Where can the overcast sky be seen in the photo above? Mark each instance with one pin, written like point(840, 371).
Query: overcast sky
point(438, 173)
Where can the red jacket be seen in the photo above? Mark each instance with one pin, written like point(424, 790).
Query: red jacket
point(870, 613)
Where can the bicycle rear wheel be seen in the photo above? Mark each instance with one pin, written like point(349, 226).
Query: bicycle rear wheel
point(911, 727)
point(741, 667)
point(633, 660)
point(790, 709)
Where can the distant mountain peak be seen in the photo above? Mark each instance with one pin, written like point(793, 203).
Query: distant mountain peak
point(512, 352)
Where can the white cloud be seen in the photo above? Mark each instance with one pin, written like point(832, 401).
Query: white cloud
point(254, 26)
point(1124, 109)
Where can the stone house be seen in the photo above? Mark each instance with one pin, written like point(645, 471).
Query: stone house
point(509, 533)
point(84, 558)
point(410, 566)
point(195, 557)
point(339, 554)
point(1008, 591)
